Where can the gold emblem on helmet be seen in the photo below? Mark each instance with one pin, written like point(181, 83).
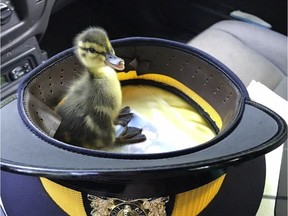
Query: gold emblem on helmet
point(105, 206)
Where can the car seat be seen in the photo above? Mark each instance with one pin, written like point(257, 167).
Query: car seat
point(255, 53)
point(250, 51)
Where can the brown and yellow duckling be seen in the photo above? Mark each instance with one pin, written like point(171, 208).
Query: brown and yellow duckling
point(92, 104)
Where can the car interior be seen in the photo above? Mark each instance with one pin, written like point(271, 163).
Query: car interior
point(249, 37)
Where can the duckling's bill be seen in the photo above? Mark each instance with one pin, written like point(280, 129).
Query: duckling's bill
point(114, 61)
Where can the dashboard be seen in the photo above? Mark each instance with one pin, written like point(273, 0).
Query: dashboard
point(23, 23)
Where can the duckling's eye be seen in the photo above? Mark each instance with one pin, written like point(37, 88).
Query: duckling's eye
point(92, 50)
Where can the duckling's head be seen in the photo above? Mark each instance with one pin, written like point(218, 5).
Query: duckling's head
point(93, 48)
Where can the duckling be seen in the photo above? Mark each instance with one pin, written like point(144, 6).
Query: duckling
point(92, 104)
